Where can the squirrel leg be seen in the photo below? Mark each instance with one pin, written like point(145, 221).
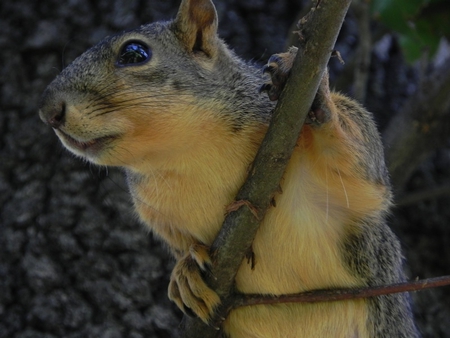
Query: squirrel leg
point(187, 288)
point(279, 67)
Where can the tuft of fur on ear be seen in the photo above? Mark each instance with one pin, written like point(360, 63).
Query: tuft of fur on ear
point(196, 26)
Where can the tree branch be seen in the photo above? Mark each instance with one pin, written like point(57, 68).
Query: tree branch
point(422, 125)
point(319, 33)
point(334, 295)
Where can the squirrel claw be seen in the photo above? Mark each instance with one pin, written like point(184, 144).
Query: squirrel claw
point(187, 287)
point(268, 68)
point(278, 67)
point(265, 88)
point(200, 253)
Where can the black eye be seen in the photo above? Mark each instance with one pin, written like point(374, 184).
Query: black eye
point(134, 53)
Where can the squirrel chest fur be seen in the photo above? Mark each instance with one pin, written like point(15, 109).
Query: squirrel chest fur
point(174, 107)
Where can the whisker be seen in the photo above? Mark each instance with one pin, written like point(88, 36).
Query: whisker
point(345, 190)
point(106, 109)
point(156, 183)
point(165, 181)
point(139, 100)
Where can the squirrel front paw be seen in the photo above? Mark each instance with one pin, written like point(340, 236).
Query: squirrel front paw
point(187, 288)
point(279, 66)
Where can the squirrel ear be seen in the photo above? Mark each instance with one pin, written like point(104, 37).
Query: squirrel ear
point(196, 26)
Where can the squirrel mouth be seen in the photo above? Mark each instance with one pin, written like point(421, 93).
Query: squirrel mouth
point(69, 141)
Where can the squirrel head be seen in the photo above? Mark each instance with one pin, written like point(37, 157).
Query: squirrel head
point(144, 86)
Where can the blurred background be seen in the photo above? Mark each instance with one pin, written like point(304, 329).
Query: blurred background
point(74, 261)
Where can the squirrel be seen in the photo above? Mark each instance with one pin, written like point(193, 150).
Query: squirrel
point(173, 106)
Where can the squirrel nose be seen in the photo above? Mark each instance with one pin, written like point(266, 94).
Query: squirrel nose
point(53, 114)
point(57, 116)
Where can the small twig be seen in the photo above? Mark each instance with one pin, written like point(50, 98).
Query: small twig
point(337, 54)
point(333, 295)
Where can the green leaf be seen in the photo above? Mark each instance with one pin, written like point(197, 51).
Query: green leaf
point(437, 15)
point(397, 13)
point(419, 23)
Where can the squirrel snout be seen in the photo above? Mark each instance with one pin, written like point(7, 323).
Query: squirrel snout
point(53, 114)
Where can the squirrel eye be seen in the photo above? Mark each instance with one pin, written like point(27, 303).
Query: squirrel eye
point(134, 53)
